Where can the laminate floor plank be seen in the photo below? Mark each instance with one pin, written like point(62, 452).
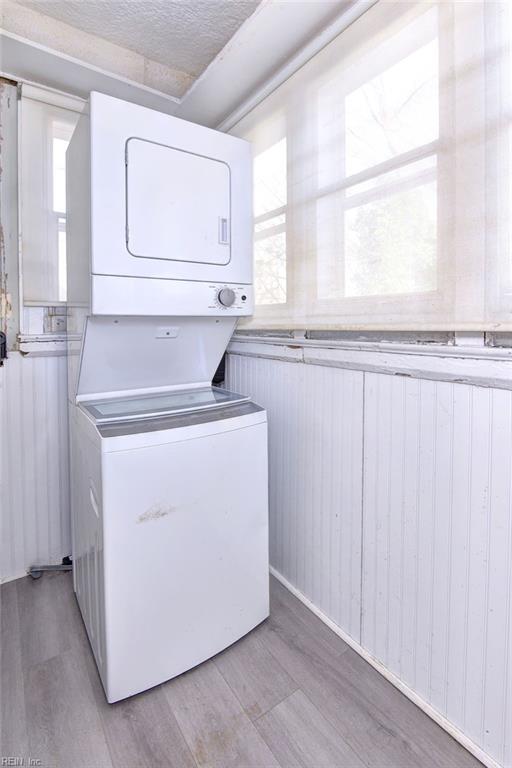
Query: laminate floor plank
point(254, 675)
point(431, 743)
point(363, 711)
point(311, 649)
point(291, 693)
point(44, 617)
point(217, 730)
point(63, 722)
point(301, 737)
point(13, 723)
point(142, 732)
point(301, 621)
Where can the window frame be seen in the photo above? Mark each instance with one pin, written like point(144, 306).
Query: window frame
point(385, 303)
point(498, 33)
point(277, 133)
point(35, 314)
point(353, 311)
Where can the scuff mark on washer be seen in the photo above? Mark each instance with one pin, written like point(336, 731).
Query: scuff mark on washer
point(155, 512)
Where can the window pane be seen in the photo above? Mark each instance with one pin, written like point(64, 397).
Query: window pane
point(394, 112)
point(424, 86)
point(61, 247)
point(269, 223)
point(270, 179)
point(270, 269)
point(508, 245)
point(45, 134)
point(427, 167)
point(59, 147)
point(270, 192)
point(390, 244)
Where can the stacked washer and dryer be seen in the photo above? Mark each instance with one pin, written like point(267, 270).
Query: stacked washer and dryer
point(168, 473)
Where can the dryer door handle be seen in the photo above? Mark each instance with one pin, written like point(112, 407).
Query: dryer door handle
point(223, 231)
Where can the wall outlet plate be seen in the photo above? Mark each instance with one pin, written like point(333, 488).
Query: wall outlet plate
point(58, 324)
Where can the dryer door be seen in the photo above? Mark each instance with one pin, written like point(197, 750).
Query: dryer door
point(177, 204)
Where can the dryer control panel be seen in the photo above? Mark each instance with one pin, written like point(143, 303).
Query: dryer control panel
point(115, 295)
point(232, 296)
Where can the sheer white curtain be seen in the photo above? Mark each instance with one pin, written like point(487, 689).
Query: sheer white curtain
point(382, 176)
point(47, 121)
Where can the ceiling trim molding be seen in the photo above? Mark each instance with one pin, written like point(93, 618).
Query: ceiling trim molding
point(52, 96)
point(29, 21)
point(320, 41)
point(227, 89)
point(87, 65)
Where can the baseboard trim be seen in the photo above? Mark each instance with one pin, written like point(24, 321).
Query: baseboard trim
point(458, 735)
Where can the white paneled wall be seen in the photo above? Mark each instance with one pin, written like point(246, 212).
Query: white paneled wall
point(34, 516)
point(438, 547)
point(433, 463)
point(315, 443)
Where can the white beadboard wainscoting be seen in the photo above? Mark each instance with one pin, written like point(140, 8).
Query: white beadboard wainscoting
point(34, 473)
point(391, 516)
point(315, 453)
point(437, 547)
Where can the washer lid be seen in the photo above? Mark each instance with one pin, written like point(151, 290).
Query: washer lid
point(163, 404)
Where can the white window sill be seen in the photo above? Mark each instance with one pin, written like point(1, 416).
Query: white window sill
point(478, 365)
point(44, 344)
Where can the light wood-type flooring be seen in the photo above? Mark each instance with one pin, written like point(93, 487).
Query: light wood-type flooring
point(291, 693)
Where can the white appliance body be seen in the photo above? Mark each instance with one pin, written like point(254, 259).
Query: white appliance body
point(169, 476)
point(171, 541)
point(154, 202)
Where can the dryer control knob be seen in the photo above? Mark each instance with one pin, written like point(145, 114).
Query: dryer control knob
point(226, 297)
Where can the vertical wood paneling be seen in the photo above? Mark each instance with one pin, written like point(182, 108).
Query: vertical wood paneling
point(34, 512)
point(315, 458)
point(437, 547)
point(496, 718)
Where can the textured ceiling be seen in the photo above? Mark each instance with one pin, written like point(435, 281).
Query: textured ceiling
point(184, 35)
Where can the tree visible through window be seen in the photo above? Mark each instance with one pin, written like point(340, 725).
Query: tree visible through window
point(270, 198)
point(59, 147)
point(391, 219)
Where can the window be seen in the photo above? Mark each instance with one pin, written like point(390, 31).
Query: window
point(270, 196)
point(382, 197)
point(397, 136)
point(46, 129)
point(499, 151)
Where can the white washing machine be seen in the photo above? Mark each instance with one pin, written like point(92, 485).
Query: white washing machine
point(168, 474)
point(171, 540)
